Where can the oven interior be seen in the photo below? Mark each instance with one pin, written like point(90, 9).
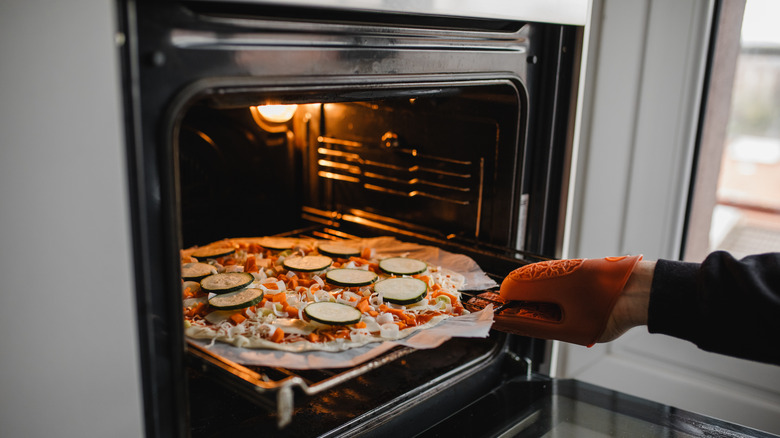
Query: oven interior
point(433, 163)
point(437, 160)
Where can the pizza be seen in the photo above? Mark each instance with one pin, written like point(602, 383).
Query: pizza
point(308, 295)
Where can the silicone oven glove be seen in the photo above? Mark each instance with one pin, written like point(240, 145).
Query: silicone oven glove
point(567, 300)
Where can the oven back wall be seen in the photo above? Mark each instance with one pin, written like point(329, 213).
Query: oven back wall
point(68, 366)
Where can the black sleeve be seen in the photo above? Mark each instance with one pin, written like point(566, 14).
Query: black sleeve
point(722, 305)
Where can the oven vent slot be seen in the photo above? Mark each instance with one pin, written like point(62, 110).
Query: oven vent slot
point(405, 172)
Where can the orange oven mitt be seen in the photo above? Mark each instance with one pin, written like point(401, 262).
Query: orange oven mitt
point(567, 300)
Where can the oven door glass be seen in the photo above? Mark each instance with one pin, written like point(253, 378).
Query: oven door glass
point(540, 407)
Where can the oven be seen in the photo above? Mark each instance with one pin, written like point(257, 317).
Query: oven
point(435, 127)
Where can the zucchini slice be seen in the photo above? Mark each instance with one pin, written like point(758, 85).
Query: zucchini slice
point(278, 243)
point(402, 290)
point(327, 312)
point(196, 271)
point(309, 263)
point(340, 250)
point(206, 253)
point(403, 266)
point(347, 277)
point(226, 282)
point(237, 300)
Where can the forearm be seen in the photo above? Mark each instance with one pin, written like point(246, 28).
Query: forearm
point(724, 305)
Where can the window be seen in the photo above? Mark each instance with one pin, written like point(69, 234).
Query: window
point(745, 208)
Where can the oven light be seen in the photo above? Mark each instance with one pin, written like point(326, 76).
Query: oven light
point(276, 113)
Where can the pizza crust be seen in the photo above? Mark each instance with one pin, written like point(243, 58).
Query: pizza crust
point(238, 340)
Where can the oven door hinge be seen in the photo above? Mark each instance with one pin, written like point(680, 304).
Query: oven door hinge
point(518, 365)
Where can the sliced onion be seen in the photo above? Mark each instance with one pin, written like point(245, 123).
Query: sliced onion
point(376, 300)
point(371, 324)
point(293, 299)
point(250, 312)
point(322, 295)
point(278, 313)
point(389, 331)
point(384, 318)
point(343, 300)
point(348, 294)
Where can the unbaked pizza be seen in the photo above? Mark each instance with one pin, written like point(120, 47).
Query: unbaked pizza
point(308, 295)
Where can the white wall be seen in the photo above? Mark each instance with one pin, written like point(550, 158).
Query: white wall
point(68, 346)
point(640, 104)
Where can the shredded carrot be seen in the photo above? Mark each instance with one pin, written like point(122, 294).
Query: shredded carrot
point(359, 260)
point(237, 318)
point(313, 337)
point(277, 336)
point(424, 278)
point(422, 319)
point(453, 298)
point(196, 309)
point(398, 312)
point(251, 264)
point(188, 292)
point(366, 253)
point(400, 325)
point(363, 305)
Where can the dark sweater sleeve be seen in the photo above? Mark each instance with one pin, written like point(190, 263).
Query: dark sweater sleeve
point(722, 305)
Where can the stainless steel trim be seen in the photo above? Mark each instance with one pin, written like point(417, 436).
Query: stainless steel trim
point(544, 11)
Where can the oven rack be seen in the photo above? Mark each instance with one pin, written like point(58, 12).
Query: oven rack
point(273, 388)
point(276, 394)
